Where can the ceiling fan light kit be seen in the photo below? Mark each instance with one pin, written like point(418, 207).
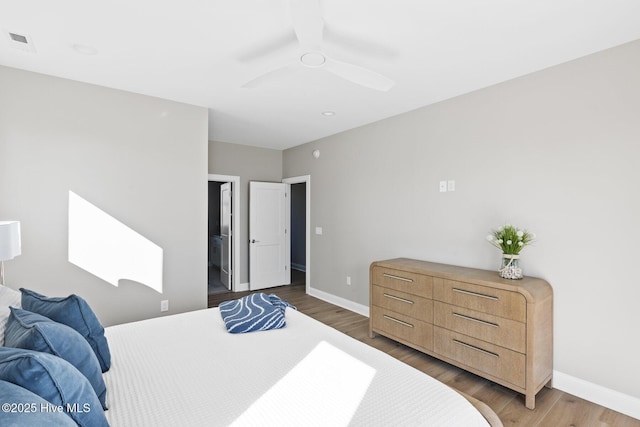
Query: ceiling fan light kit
point(313, 59)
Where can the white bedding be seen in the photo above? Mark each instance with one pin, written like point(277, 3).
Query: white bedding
point(186, 370)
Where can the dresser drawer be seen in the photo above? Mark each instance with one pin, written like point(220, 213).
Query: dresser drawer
point(507, 304)
point(486, 327)
point(491, 359)
point(414, 332)
point(403, 281)
point(400, 302)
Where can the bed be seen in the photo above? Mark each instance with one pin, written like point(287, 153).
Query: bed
point(186, 369)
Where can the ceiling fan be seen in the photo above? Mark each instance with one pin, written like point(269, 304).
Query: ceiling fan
point(308, 26)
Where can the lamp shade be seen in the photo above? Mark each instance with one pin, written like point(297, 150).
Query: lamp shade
point(9, 240)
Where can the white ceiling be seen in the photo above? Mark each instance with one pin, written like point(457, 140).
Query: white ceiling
point(203, 51)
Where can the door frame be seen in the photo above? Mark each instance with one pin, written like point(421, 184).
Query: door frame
point(307, 180)
point(235, 224)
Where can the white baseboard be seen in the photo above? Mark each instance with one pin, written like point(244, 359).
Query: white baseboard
point(339, 301)
point(595, 393)
point(299, 267)
point(242, 287)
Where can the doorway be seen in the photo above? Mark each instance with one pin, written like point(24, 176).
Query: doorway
point(223, 248)
point(298, 233)
point(214, 238)
point(300, 230)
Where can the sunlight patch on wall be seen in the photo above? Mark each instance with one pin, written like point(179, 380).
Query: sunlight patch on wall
point(108, 249)
point(327, 386)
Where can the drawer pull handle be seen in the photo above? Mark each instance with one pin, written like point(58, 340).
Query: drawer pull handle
point(398, 321)
point(398, 298)
point(391, 276)
point(473, 319)
point(475, 294)
point(473, 347)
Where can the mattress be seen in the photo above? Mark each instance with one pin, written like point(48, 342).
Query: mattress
point(186, 369)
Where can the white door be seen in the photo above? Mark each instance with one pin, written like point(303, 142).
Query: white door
point(269, 242)
point(225, 231)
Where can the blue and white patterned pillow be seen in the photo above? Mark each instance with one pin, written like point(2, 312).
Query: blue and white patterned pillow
point(255, 312)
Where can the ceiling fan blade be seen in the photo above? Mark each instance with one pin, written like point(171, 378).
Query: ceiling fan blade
point(270, 75)
point(359, 75)
point(307, 23)
point(270, 46)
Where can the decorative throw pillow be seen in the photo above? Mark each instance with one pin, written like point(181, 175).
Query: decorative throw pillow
point(56, 381)
point(8, 298)
point(255, 312)
point(75, 312)
point(32, 331)
point(21, 407)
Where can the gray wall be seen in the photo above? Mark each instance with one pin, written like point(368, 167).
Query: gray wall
point(556, 152)
point(250, 164)
point(142, 160)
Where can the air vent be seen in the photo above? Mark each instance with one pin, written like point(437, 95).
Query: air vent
point(21, 41)
point(18, 38)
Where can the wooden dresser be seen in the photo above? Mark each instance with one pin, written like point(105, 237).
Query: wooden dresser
point(496, 328)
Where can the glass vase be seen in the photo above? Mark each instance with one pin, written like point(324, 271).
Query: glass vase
point(510, 268)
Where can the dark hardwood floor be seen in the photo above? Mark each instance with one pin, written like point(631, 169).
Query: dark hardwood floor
point(553, 407)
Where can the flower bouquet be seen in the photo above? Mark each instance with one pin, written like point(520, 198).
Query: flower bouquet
point(511, 240)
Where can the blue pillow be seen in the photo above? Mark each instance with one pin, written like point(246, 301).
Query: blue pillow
point(56, 381)
point(75, 312)
point(32, 331)
point(22, 408)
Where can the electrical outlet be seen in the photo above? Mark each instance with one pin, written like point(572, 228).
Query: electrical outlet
point(451, 185)
point(443, 186)
point(164, 305)
point(349, 280)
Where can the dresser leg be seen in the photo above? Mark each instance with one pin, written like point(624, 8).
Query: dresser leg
point(530, 401)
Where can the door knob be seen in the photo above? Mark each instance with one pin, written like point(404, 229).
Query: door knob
point(254, 241)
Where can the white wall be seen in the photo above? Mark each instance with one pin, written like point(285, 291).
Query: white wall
point(142, 160)
point(556, 152)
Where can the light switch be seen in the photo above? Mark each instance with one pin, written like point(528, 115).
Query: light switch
point(318, 230)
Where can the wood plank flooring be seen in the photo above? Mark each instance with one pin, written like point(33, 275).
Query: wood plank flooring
point(554, 408)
